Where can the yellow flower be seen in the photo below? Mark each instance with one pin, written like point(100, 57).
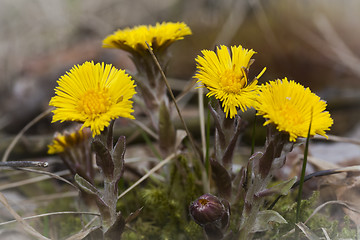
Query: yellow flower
point(289, 106)
point(159, 36)
point(61, 142)
point(94, 95)
point(225, 75)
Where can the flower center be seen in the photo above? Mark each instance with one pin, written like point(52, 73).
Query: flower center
point(290, 114)
point(203, 202)
point(232, 81)
point(94, 102)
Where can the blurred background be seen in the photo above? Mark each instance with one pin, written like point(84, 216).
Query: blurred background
point(313, 42)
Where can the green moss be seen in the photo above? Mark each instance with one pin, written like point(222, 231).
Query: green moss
point(348, 230)
point(287, 208)
point(165, 213)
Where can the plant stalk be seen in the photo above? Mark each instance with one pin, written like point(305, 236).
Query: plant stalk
point(110, 198)
point(302, 177)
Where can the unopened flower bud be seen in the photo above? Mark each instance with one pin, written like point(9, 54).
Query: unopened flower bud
point(210, 210)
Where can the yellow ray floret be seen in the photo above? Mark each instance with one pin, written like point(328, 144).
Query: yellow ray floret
point(224, 73)
point(159, 36)
point(61, 142)
point(93, 94)
point(290, 106)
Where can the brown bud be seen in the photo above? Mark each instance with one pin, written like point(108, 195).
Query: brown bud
point(209, 209)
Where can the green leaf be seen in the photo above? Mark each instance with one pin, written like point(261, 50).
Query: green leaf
point(282, 188)
point(265, 218)
point(90, 189)
point(86, 186)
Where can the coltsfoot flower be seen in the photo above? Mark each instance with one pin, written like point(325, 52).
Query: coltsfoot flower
point(93, 94)
point(289, 106)
point(62, 142)
point(159, 36)
point(74, 148)
point(224, 73)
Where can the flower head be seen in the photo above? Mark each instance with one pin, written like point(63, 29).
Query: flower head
point(93, 94)
point(159, 36)
point(290, 107)
point(208, 209)
point(224, 73)
point(211, 213)
point(62, 142)
point(74, 149)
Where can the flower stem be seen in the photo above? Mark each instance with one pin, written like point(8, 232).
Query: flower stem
point(110, 198)
point(253, 136)
point(207, 155)
point(302, 177)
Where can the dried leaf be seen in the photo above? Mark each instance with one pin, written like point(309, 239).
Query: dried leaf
point(308, 233)
point(332, 202)
point(321, 164)
point(133, 215)
point(345, 187)
point(180, 135)
point(50, 214)
point(350, 193)
point(325, 234)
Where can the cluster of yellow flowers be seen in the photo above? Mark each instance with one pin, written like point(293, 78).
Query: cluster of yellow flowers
point(95, 94)
point(287, 104)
